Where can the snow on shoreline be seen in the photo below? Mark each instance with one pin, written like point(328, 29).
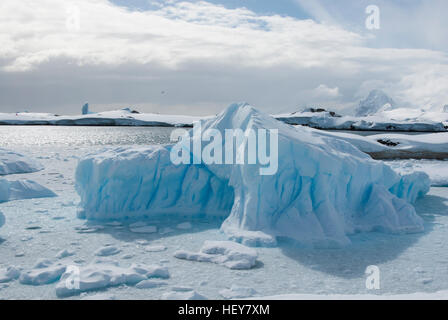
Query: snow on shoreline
point(315, 197)
point(123, 117)
point(325, 121)
point(392, 120)
point(396, 146)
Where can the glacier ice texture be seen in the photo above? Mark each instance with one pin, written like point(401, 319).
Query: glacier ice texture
point(324, 190)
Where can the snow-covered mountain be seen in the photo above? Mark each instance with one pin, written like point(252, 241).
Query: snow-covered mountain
point(377, 100)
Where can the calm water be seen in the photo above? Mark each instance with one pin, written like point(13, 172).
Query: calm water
point(19, 136)
point(24, 136)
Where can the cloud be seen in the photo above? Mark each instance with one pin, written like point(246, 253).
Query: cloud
point(323, 91)
point(203, 55)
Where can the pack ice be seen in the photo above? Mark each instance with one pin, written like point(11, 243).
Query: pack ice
point(324, 189)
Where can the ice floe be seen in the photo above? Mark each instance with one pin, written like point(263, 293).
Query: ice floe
point(8, 274)
point(155, 248)
point(149, 284)
point(237, 292)
point(107, 251)
point(227, 253)
point(64, 254)
point(182, 295)
point(12, 162)
point(44, 272)
point(101, 274)
point(22, 189)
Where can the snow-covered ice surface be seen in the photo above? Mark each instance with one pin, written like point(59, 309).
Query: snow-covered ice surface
point(103, 274)
point(324, 188)
point(43, 228)
point(436, 170)
point(396, 146)
point(237, 292)
point(439, 295)
point(122, 117)
point(227, 253)
point(375, 114)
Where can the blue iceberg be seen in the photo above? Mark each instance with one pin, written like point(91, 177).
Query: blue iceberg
point(323, 190)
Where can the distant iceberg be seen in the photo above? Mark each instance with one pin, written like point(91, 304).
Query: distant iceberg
point(324, 190)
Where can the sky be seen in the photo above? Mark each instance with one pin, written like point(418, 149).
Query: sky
point(197, 57)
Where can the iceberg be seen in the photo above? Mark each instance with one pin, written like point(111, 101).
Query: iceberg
point(324, 189)
point(12, 162)
point(85, 109)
